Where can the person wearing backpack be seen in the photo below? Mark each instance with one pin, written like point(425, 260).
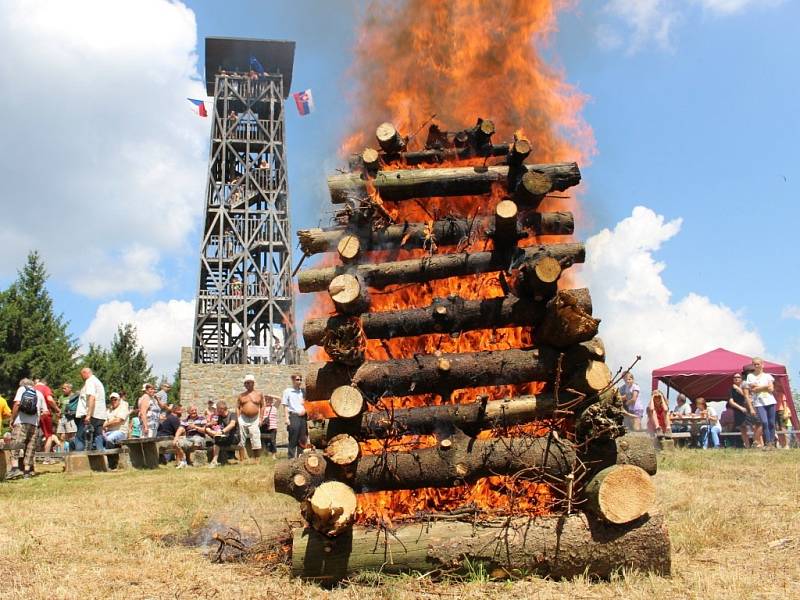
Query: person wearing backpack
point(28, 405)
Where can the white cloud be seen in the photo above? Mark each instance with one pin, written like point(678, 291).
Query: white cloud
point(162, 329)
point(653, 21)
point(791, 311)
point(638, 314)
point(103, 161)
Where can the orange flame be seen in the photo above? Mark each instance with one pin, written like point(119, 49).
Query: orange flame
point(460, 60)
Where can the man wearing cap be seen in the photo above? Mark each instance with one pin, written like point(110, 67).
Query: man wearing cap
point(295, 403)
point(115, 429)
point(249, 413)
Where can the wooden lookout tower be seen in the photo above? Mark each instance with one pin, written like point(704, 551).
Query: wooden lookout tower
point(245, 305)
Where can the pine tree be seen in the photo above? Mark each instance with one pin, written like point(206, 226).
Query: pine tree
point(34, 341)
point(175, 391)
point(128, 368)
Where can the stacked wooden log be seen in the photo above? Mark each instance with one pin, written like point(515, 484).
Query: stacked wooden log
point(598, 520)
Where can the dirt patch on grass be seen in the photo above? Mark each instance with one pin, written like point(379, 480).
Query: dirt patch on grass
point(733, 518)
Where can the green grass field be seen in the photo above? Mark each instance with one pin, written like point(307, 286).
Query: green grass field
point(733, 518)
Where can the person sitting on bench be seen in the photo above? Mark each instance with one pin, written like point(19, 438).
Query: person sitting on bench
point(190, 436)
point(711, 428)
point(682, 409)
point(225, 432)
point(115, 429)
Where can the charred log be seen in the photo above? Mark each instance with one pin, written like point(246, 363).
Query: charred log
point(441, 266)
point(445, 232)
point(463, 460)
point(454, 314)
point(420, 375)
point(458, 181)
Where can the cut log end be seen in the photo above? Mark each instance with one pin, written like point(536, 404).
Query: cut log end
point(547, 269)
point(342, 449)
point(370, 157)
point(533, 187)
point(521, 148)
point(594, 378)
point(389, 138)
point(505, 223)
point(331, 509)
point(349, 248)
point(620, 493)
point(348, 294)
point(347, 402)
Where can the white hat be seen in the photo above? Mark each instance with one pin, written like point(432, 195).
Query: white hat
point(249, 377)
point(114, 395)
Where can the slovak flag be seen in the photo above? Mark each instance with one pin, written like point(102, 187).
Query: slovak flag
point(304, 101)
point(201, 106)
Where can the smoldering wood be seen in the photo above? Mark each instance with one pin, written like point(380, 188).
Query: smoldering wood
point(429, 156)
point(313, 468)
point(454, 314)
point(446, 418)
point(405, 184)
point(441, 266)
point(420, 375)
point(567, 322)
point(560, 547)
point(464, 460)
point(444, 232)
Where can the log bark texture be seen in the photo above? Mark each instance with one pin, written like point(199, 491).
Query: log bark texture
point(420, 375)
point(440, 266)
point(630, 449)
point(452, 314)
point(464, 461)
point(445, 232)
point(459, 181)
point(558, 547)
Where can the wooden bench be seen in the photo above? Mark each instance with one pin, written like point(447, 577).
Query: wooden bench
point(144, 451)
point(81, 461)
point(6, 458)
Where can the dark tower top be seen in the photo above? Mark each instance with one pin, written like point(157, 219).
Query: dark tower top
point(233, 54)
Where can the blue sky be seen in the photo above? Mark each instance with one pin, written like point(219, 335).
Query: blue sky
point(692, 102)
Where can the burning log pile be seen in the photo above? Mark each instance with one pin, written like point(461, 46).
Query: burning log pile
point(514, 456)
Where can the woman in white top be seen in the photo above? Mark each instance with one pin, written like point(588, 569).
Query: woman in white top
point(762, 386)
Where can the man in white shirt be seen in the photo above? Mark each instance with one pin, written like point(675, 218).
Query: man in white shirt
point(28, 405)
point(295, 403)
point(115, 429)
point(92, 412)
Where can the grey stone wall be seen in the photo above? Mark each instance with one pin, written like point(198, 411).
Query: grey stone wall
point(203, 382)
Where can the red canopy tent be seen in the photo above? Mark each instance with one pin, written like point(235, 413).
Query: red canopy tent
point(709, 375)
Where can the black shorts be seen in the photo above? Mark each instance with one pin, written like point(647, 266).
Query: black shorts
point(742, 418)
point(226, 440)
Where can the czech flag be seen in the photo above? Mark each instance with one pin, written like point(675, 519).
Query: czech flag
point(304, 101)
point(201, 106)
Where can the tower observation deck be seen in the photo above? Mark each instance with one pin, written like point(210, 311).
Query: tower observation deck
point(245, 303)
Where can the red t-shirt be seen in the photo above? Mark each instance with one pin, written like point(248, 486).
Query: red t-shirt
point(46, 392)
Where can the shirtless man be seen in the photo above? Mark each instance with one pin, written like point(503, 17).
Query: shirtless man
point(249, 413)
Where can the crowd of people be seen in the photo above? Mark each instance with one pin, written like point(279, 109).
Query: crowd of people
point(87, 421)
point(751, 410)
